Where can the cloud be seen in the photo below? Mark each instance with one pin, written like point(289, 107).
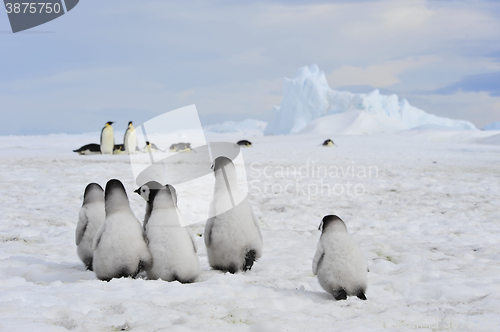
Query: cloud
point(381, 75)
point(489, 82)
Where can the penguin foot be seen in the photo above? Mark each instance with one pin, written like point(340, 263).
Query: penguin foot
point(339, 294)
point(361, 295)
point(249, 260)
point(231, 269)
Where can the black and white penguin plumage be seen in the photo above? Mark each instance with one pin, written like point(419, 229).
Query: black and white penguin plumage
point(120, 248)
point(180, 147)
point(151, 147)
point(328, 142)
point(244, 142)
point(119, 149)
point(130, 139)
point(232, 236)
point(89, 149)
point(338, 262)
point(172, 247)
point(107, 138)
point(90, 219)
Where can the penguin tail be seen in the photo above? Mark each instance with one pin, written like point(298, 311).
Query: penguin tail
point(249, 260)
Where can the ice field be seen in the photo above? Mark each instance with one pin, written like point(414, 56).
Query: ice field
point(423, 205)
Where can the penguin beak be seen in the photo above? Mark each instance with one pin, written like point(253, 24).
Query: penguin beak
point(138, 191)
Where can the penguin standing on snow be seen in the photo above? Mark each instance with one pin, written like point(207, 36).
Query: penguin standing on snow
point(338, 262)
point(90, 218)
point(107, 139)
point(172, 246)
point(120, 249)
point(232, 236)
point(130, 139)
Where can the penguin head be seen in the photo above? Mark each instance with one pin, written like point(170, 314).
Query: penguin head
point(109, 123)
point(130, 123)
point(115, 196)
point(149, 190)
point(332, 223)
point(147, 143)
point(221, 162)
point(93, 193)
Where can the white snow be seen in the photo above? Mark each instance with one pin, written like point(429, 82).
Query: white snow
point(495, 125)
point(308, 96)
point(426, 216)
point(352, 123)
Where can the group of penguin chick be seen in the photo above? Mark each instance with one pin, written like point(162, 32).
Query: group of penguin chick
point(111, 242)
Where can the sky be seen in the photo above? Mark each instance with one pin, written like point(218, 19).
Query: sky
point(132, 60)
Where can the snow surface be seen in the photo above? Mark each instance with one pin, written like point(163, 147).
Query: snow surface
point(426, 217)
point(495, 125)
point(308, 96)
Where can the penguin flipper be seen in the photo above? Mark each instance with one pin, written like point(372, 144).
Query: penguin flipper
point(191, 236)
point(97, 237)
point(81, 227)
point(318, 258)
point(208, 232)
point(256, 223)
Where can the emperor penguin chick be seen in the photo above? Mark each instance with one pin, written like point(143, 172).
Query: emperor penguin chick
point(90, 218)
point(171, 245)
point(107, 138)
point(120, 249)
point(232, 235)
point(130, 139)
point(338, 262)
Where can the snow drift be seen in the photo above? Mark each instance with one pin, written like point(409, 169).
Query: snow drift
point(308, 96)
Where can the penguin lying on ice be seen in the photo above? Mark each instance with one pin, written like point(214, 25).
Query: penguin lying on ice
point(89, 149)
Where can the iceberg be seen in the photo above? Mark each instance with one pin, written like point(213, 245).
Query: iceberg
point(495, 125)
point(308, 96)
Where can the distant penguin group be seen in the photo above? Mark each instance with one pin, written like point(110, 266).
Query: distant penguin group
point(107, 142)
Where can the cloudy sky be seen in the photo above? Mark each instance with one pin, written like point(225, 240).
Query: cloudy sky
point(131, 60)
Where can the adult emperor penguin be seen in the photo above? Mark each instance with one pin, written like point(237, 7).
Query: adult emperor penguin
point(89, 149)
point(232, 236)
point(90, 218)
point(172, 246)
point(130, 139)
point(328, 142)
point(107, 138)
point(120, 249)
point(338, 262)
point(245, 143)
